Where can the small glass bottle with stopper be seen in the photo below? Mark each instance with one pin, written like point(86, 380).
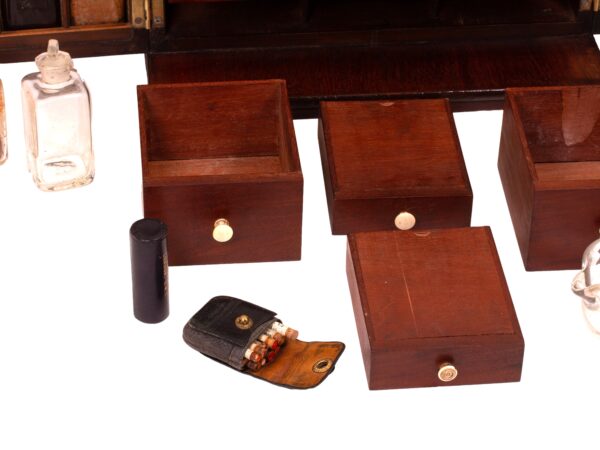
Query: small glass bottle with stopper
point(57, 120)
point(587, 285)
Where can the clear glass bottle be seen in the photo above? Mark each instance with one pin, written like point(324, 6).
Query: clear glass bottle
point(57, 119)
point(587, 285)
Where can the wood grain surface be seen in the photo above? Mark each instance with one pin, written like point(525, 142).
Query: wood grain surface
point(467, 50)
point(222, 150)
point(382, 158)
point(548, 162)
point(424, 298)
point(473, 74)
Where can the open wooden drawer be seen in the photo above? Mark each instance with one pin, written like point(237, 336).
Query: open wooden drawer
point(549, 162)
point(220, 167)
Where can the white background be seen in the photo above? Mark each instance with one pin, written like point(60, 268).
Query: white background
point(77, 371)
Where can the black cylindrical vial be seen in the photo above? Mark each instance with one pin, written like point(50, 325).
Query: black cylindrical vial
point(149, 270)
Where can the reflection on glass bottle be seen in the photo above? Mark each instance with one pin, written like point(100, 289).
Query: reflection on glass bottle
point(56, 115)
point(587, 285)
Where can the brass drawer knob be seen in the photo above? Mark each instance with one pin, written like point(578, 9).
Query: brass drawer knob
point(405, 221)
point(222, 231)
point(447, 372)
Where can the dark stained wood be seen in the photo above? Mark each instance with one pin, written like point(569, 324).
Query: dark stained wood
point(266, 217)
point(561, 125)
point(348, 216)
point(578, 172)
point(383, 158)
point(65, 12)
point(473, 74)
point(467, 50)
point(424, 298)
point(226, 20)
point(235, 18)
point(565, 222)
point(92, 40)
point(411, 147)
point(26, 43)
point(214, 166)
point(549, 163)
point(183, 121)
point(31, 14)
point(516, 167)
point(222, 150)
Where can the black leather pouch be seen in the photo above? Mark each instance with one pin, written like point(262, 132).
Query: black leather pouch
point(225, 327)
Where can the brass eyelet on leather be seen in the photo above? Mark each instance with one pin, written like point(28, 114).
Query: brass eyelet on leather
point(322, 365)
point(243, 322)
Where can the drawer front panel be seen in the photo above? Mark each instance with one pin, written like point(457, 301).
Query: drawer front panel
point(349, 216)
point(564, 223)
point(266, 218)
point(486, 359)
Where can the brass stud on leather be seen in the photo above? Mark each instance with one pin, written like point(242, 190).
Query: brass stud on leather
point(222, 231)
point(243, 322)
point(405, 221)
point(322, 365)
point(447, 372)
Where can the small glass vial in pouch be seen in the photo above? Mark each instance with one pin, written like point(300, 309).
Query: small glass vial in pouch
point(57, 120)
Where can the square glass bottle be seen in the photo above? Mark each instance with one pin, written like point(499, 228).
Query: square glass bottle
point(57, 120)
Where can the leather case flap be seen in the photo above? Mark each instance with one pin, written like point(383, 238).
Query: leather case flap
point(302, 365)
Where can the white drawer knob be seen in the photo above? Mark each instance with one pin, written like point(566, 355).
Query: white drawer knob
point(447, 372)
point(222, 232)
point(405, 221)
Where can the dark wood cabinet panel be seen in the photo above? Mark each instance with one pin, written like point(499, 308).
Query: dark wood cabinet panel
point(472, 74)
point(467, 50)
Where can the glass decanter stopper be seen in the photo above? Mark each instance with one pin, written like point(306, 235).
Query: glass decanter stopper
point(57, 119)
point(586, 285)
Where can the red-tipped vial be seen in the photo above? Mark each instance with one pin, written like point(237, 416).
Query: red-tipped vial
point(259, 348)
point(277, 336)
point(252, 356)
point(269, 341)
point(288, 332)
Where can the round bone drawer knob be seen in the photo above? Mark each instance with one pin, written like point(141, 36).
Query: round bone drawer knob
point(405, 221)
point(222, 232)
point(447, 372)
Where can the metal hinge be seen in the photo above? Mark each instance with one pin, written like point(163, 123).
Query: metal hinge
point(158, 14)
point(147, 14)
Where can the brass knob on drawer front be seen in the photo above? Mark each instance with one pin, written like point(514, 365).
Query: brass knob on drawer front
point(222, 231)
point(447, 372)
point(405, 221)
